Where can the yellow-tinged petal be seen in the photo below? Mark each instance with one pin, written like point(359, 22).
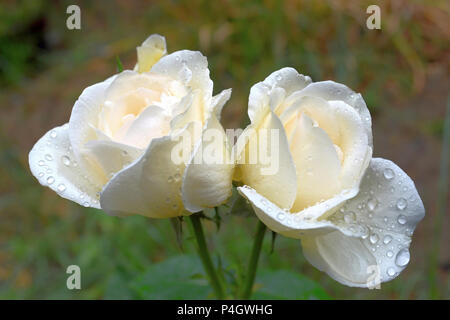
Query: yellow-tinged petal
point(150, 51)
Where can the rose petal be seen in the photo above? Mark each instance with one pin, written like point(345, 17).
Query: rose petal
point(287, 79)
point(296, 225)
point(275, 179)
point(207, 180)
point(151, 185)
point(175, 64)
point(54, 164)
point(150, 51)
point(151, 123)
point(317, 164)
point(330, 90)
point(383, 216)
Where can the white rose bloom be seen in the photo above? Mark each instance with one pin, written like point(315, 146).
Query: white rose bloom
point(354, 214)
point(115, 153)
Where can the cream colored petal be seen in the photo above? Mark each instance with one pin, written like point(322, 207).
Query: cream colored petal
point(152, 122)
point(330, 90)
point(193, 107)
point(150, 186)
point(109, 156)
point(218, 101)
point(345, 259)
point(258, 101)
point(83, 120)
point(317, 164)
point(54, 164)
point(383, 217)
point(207, 180)
point(288, 79)
point(189, 67)
point(295, 225)
point(272, 171)
point(150, 51)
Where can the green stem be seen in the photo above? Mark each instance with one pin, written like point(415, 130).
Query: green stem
point(204, 256)
point(253, 265)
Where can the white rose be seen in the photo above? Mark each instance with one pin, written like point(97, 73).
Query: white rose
point(354, 214)
point(115, 153)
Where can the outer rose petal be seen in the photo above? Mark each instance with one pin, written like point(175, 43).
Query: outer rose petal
point(53, 163)
point(150, 186)
point(189, 67)
point(81, 129)
point(207, 180)
point(280, 186)
point(150, 51)
point(386, 210)
point(295, 225)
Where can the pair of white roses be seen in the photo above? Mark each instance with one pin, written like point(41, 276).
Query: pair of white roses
point(351, 211)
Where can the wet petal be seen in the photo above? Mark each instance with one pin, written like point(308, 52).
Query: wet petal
point(54, 164)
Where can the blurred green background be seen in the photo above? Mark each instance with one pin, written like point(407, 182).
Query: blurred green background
point(401, 70)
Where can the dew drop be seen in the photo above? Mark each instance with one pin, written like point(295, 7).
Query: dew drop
point(349, 217)
point(65, 160)
point(279, 77)
point(50, 180)
point(48, 157)
point(391, 272)
point(401, 204)
point(387, 239)
point(402, 258)
point(388, 173)
point(401, 219)
point(372, 204)
point(280, 216)
point(86, 204)
point(41, 162)
point(41, 174)
point(373, 238)
point(61, 187)
point(53, 134)
point(389, 254)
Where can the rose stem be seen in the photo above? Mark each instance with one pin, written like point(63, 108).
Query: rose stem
point(204, 256)
point(253, 265)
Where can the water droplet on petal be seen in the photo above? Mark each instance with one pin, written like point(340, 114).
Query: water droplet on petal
point(48, 157)
point(280, 216)
point(53, 134)
point(388, 173)
point(349, 217)
point(401, 204)
point(279, 77)
point(65, 160)
point(61, 187)
point(41, 162)
point(387, 239)
point(401, 219)
point(373, 238)
point(372, 204)
point(50, 180)
point(402, 258)
point(389, 254)
point(391, 272)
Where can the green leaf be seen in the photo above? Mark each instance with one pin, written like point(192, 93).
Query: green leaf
point(179, 277)
point(119, 64)
point(284, 284)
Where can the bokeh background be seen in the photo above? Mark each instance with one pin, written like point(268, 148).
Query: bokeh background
point(401, 70)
